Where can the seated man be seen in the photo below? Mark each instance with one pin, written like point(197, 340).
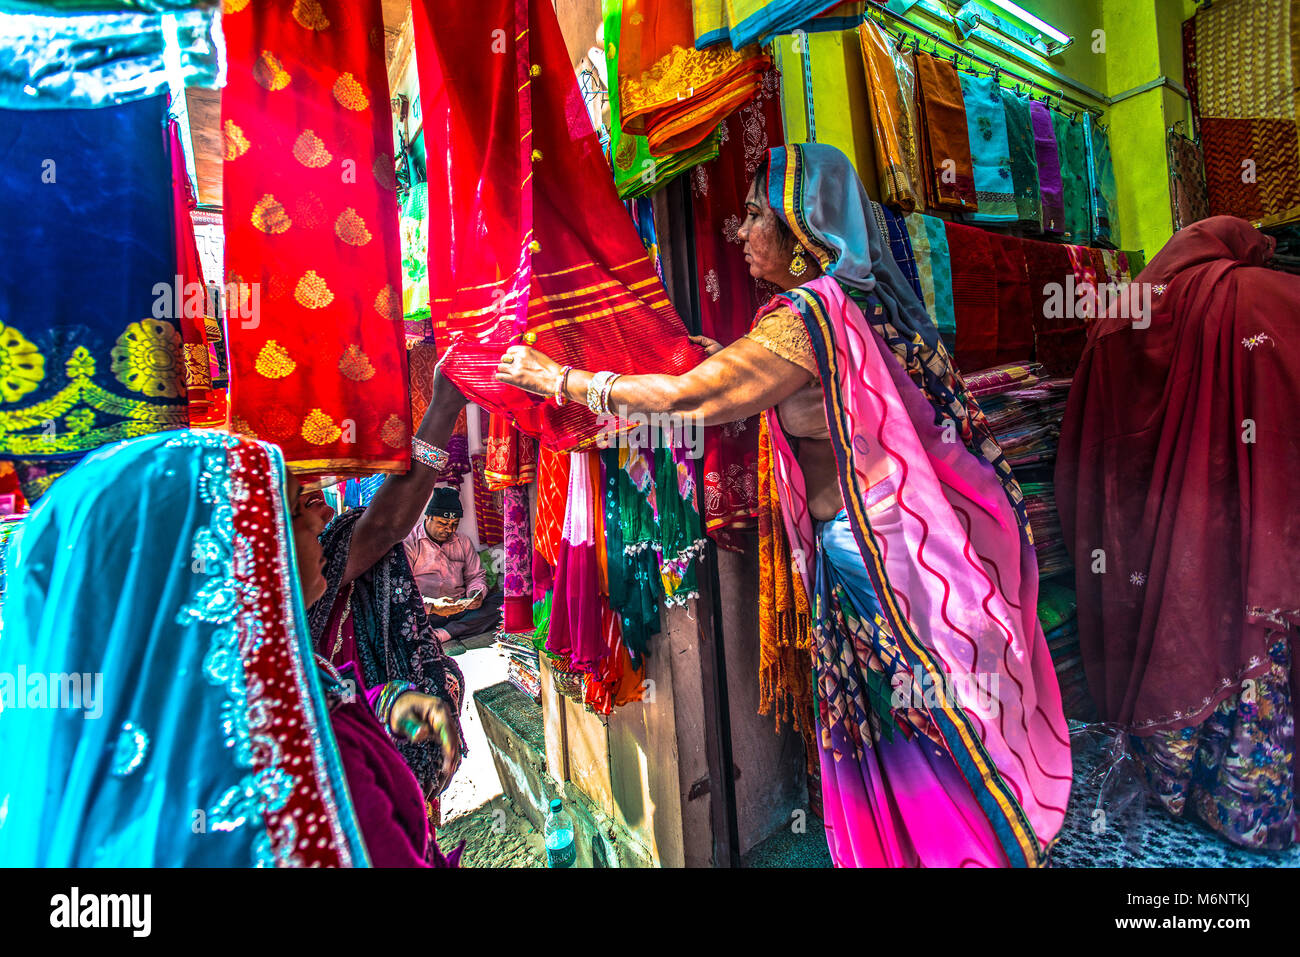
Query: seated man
point(448, 571)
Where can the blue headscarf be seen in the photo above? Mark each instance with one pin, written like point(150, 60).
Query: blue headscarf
point(131, 572)
point(816, 191)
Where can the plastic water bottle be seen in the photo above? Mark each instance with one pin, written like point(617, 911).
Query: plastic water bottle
point(561, 850)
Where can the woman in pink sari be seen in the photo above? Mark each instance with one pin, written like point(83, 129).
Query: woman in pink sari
point(942, 741)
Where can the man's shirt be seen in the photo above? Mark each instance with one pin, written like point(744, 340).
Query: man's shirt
point(449, 570)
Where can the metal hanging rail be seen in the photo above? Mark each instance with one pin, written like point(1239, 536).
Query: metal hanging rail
point(883, 15)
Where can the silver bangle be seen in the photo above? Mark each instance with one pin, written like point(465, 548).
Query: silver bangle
point(429, 455)
point(595, 387)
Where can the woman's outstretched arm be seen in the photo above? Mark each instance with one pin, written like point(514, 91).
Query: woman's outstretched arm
point(739, 381)
point(400, 500)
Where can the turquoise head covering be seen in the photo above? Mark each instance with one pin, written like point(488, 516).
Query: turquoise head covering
point(815, 191)
point(161, 705)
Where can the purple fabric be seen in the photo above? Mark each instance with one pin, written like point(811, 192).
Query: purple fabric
point(388, 801)
point(1049, 169)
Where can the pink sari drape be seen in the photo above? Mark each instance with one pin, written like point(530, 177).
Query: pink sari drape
point(960, 594)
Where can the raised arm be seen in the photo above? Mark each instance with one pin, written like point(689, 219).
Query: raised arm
point(740, 380)
point(400, 501)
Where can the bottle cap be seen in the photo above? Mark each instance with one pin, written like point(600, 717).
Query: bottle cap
point(556, 806)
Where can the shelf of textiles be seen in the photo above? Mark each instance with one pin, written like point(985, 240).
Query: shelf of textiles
point(615, 540)
point(1024, 407)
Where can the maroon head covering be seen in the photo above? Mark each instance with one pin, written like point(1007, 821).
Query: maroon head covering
point(1179, 456)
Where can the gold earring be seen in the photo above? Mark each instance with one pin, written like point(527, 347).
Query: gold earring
point(798, 265)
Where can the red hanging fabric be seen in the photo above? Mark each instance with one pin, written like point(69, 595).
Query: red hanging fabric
point(537, 238)
point(191, 296)
point(311, 227)
point(729, 298)
point(974, 296)
point(1015, 307)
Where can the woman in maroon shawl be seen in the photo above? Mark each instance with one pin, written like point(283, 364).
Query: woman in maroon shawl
point(1179, 456)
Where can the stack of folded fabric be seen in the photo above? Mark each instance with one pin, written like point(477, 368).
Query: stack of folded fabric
point(522, 667)
point(1057, 612)
point(1024, 410)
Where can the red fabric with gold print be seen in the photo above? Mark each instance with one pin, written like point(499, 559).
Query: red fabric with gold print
point(311, 217)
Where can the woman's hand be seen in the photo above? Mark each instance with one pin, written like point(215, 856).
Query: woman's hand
point(419, 717)
point(711, 346)
point(528, 369)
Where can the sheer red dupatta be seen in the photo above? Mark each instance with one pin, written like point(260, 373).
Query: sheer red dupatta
point(534, 237)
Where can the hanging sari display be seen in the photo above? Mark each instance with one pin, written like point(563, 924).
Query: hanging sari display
point(1055, 332)
point(894, 230)
point(986, 122)
point(729, 296)
point(573, 275)
point(1246, 56)
point(77, 372)
point(920, 242)
point(637, 171)
point(1103, 198)
point(1049, 168)
point(414, 226)
point(1073, 154)
point(575, 633)
point(511, 457)
point(1186, 181)
point(1024, 159)
point(892, 120)
point(517, 583)
point(317, 348)
point(974, 296)
point(743, 22)
point(106, 57)
point(488, 517)
point(1015, 340)
point(670, 92)
point(945, 143)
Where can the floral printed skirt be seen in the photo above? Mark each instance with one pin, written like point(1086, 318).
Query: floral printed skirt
point(1234, 771)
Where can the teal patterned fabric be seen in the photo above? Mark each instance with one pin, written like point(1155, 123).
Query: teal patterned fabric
point(986, 124)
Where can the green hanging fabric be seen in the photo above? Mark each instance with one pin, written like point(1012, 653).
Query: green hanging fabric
point(414, 228)
point(681, 538)
point(542, 622)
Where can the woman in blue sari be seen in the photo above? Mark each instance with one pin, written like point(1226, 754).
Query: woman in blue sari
point(162, 705)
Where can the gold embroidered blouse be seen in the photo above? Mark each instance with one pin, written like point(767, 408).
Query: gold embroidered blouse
point(783, 332)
